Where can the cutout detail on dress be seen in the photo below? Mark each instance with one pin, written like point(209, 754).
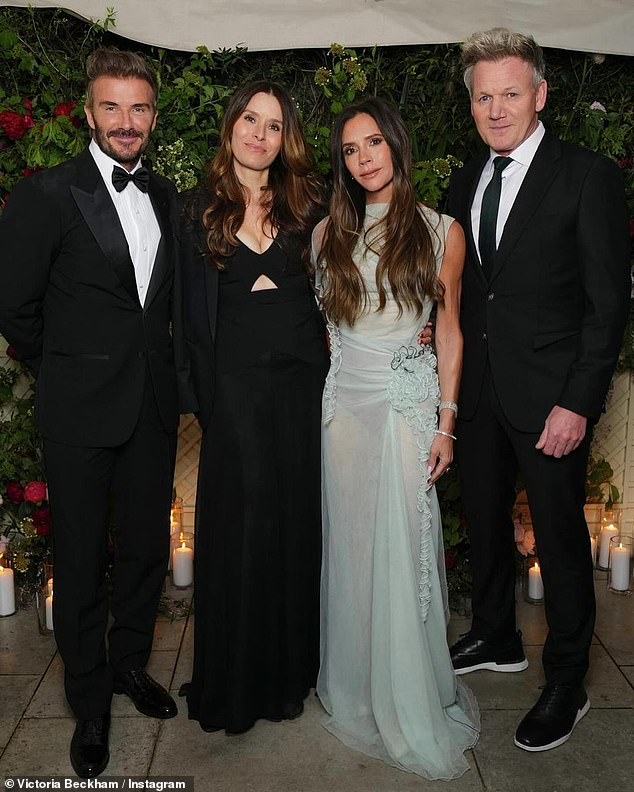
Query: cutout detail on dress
point(263, 283)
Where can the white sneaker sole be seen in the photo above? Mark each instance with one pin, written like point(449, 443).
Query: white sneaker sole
point(561, 740)
point(503, 668)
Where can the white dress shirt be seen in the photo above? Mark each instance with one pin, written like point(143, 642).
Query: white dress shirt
point(137, 217)
point(512, 177)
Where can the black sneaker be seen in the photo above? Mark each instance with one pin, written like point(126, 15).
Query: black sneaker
point(553, 719)
point(474, 654)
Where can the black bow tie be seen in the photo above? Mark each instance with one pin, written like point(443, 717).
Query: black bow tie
point(121, 178)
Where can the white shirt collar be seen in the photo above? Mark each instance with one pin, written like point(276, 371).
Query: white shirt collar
point(525, 152)
point(105, 163)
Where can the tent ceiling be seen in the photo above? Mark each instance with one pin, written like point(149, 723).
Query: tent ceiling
point(597, 26)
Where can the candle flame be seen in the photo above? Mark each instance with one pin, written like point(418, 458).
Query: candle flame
point(183, 546)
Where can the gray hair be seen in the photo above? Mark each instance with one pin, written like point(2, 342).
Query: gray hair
point(499, 43)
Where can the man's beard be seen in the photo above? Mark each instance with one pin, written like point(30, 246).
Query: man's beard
point(101, 137)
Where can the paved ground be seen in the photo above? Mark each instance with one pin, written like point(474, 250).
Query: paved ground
point(300, 756)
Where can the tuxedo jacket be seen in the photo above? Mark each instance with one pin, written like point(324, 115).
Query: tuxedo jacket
point(70, 307)
point(550, 319)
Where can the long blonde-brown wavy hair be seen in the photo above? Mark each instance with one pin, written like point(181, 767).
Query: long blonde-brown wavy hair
point(294, 201)
point(407, 264)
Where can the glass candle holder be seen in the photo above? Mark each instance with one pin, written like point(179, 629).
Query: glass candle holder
point(176, 515)
point(44, 598)
point(532, 581)
point(7, 585)
point(182, 559)
point(620, 565)
point(610, 527)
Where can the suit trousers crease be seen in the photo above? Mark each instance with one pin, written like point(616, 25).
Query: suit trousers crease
point(134, 482)
point(490, 453)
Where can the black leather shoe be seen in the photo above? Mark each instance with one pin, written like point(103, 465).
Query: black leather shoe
point(89, 754)
point(552, 720)
point(147, 695)
point(473, 654)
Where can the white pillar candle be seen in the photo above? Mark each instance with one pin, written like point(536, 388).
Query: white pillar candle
point(593, 549)
point(183, 566)
point(49, 612)
point(620, 567)
point(607, 532)
point(7, 592)
point(535, 585)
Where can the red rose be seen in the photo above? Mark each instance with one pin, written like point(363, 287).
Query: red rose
point(15, 492)
point(15, 124)
point(450, 559)
point(12, 353)
point(42, 520)
point(27, 104)
point(35, 491)
point(64, 109)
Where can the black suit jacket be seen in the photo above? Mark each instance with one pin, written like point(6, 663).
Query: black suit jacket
point(551, 318)
point(69, 305)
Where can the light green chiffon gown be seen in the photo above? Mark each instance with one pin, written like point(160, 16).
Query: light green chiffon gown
point(386, 678)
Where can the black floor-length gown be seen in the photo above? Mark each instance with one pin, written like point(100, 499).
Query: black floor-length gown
point(258, 517)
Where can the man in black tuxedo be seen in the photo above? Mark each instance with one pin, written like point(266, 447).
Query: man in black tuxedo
point(87, 298)
point(545, 293)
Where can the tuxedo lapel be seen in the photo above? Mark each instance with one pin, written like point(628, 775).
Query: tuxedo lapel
point(96, 207)
point(162, 262)
point(541, 174)
point(471, 242)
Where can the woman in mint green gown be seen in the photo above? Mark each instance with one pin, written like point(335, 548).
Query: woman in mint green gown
point(383, 261)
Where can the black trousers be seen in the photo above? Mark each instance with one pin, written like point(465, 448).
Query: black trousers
point(136, 478)
point(490, 453)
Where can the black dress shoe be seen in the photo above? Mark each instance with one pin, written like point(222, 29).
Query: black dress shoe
point(552, 720)
point(89, 754)
point(147, 695)
point(474, 654)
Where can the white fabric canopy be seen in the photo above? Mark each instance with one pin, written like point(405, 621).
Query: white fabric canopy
point(588, 25)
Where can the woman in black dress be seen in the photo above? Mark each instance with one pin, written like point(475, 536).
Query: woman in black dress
point(258, 356)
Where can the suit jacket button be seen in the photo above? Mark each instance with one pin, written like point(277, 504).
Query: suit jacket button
point(491, 296)
point(141, 355)
point(484, 336)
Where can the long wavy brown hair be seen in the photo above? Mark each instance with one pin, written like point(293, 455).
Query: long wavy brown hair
point(407, 265)
point(294, 202)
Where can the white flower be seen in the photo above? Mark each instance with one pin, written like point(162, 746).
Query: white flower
point(598, 106)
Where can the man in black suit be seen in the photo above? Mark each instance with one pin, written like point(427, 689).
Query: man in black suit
point(87, 297)
point(545, 294)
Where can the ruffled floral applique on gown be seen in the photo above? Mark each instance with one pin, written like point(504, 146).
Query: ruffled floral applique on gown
point(386, 677)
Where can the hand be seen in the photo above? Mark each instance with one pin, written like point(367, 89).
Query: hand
point(440, 457)
point(563, 431)
point(426, 335)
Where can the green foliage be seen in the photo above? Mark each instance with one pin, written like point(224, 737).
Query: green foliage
point(599, 487)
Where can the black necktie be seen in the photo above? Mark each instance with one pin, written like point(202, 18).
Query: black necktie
point(121, 178)
point(489, 215)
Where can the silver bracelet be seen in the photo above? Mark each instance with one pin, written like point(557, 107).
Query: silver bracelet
point(444, 434)
point(449, 405)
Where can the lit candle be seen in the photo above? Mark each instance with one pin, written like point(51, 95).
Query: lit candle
point(183, 566)
point(48, 604)
point(619, 567)
point(607, 532)
point(593, 549)
point(7, 592)
point(535, 585)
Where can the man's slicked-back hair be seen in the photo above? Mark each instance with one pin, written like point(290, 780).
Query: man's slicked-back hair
point(113, 62)
point(499, 43)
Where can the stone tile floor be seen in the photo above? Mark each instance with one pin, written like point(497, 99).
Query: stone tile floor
point(300, 756)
